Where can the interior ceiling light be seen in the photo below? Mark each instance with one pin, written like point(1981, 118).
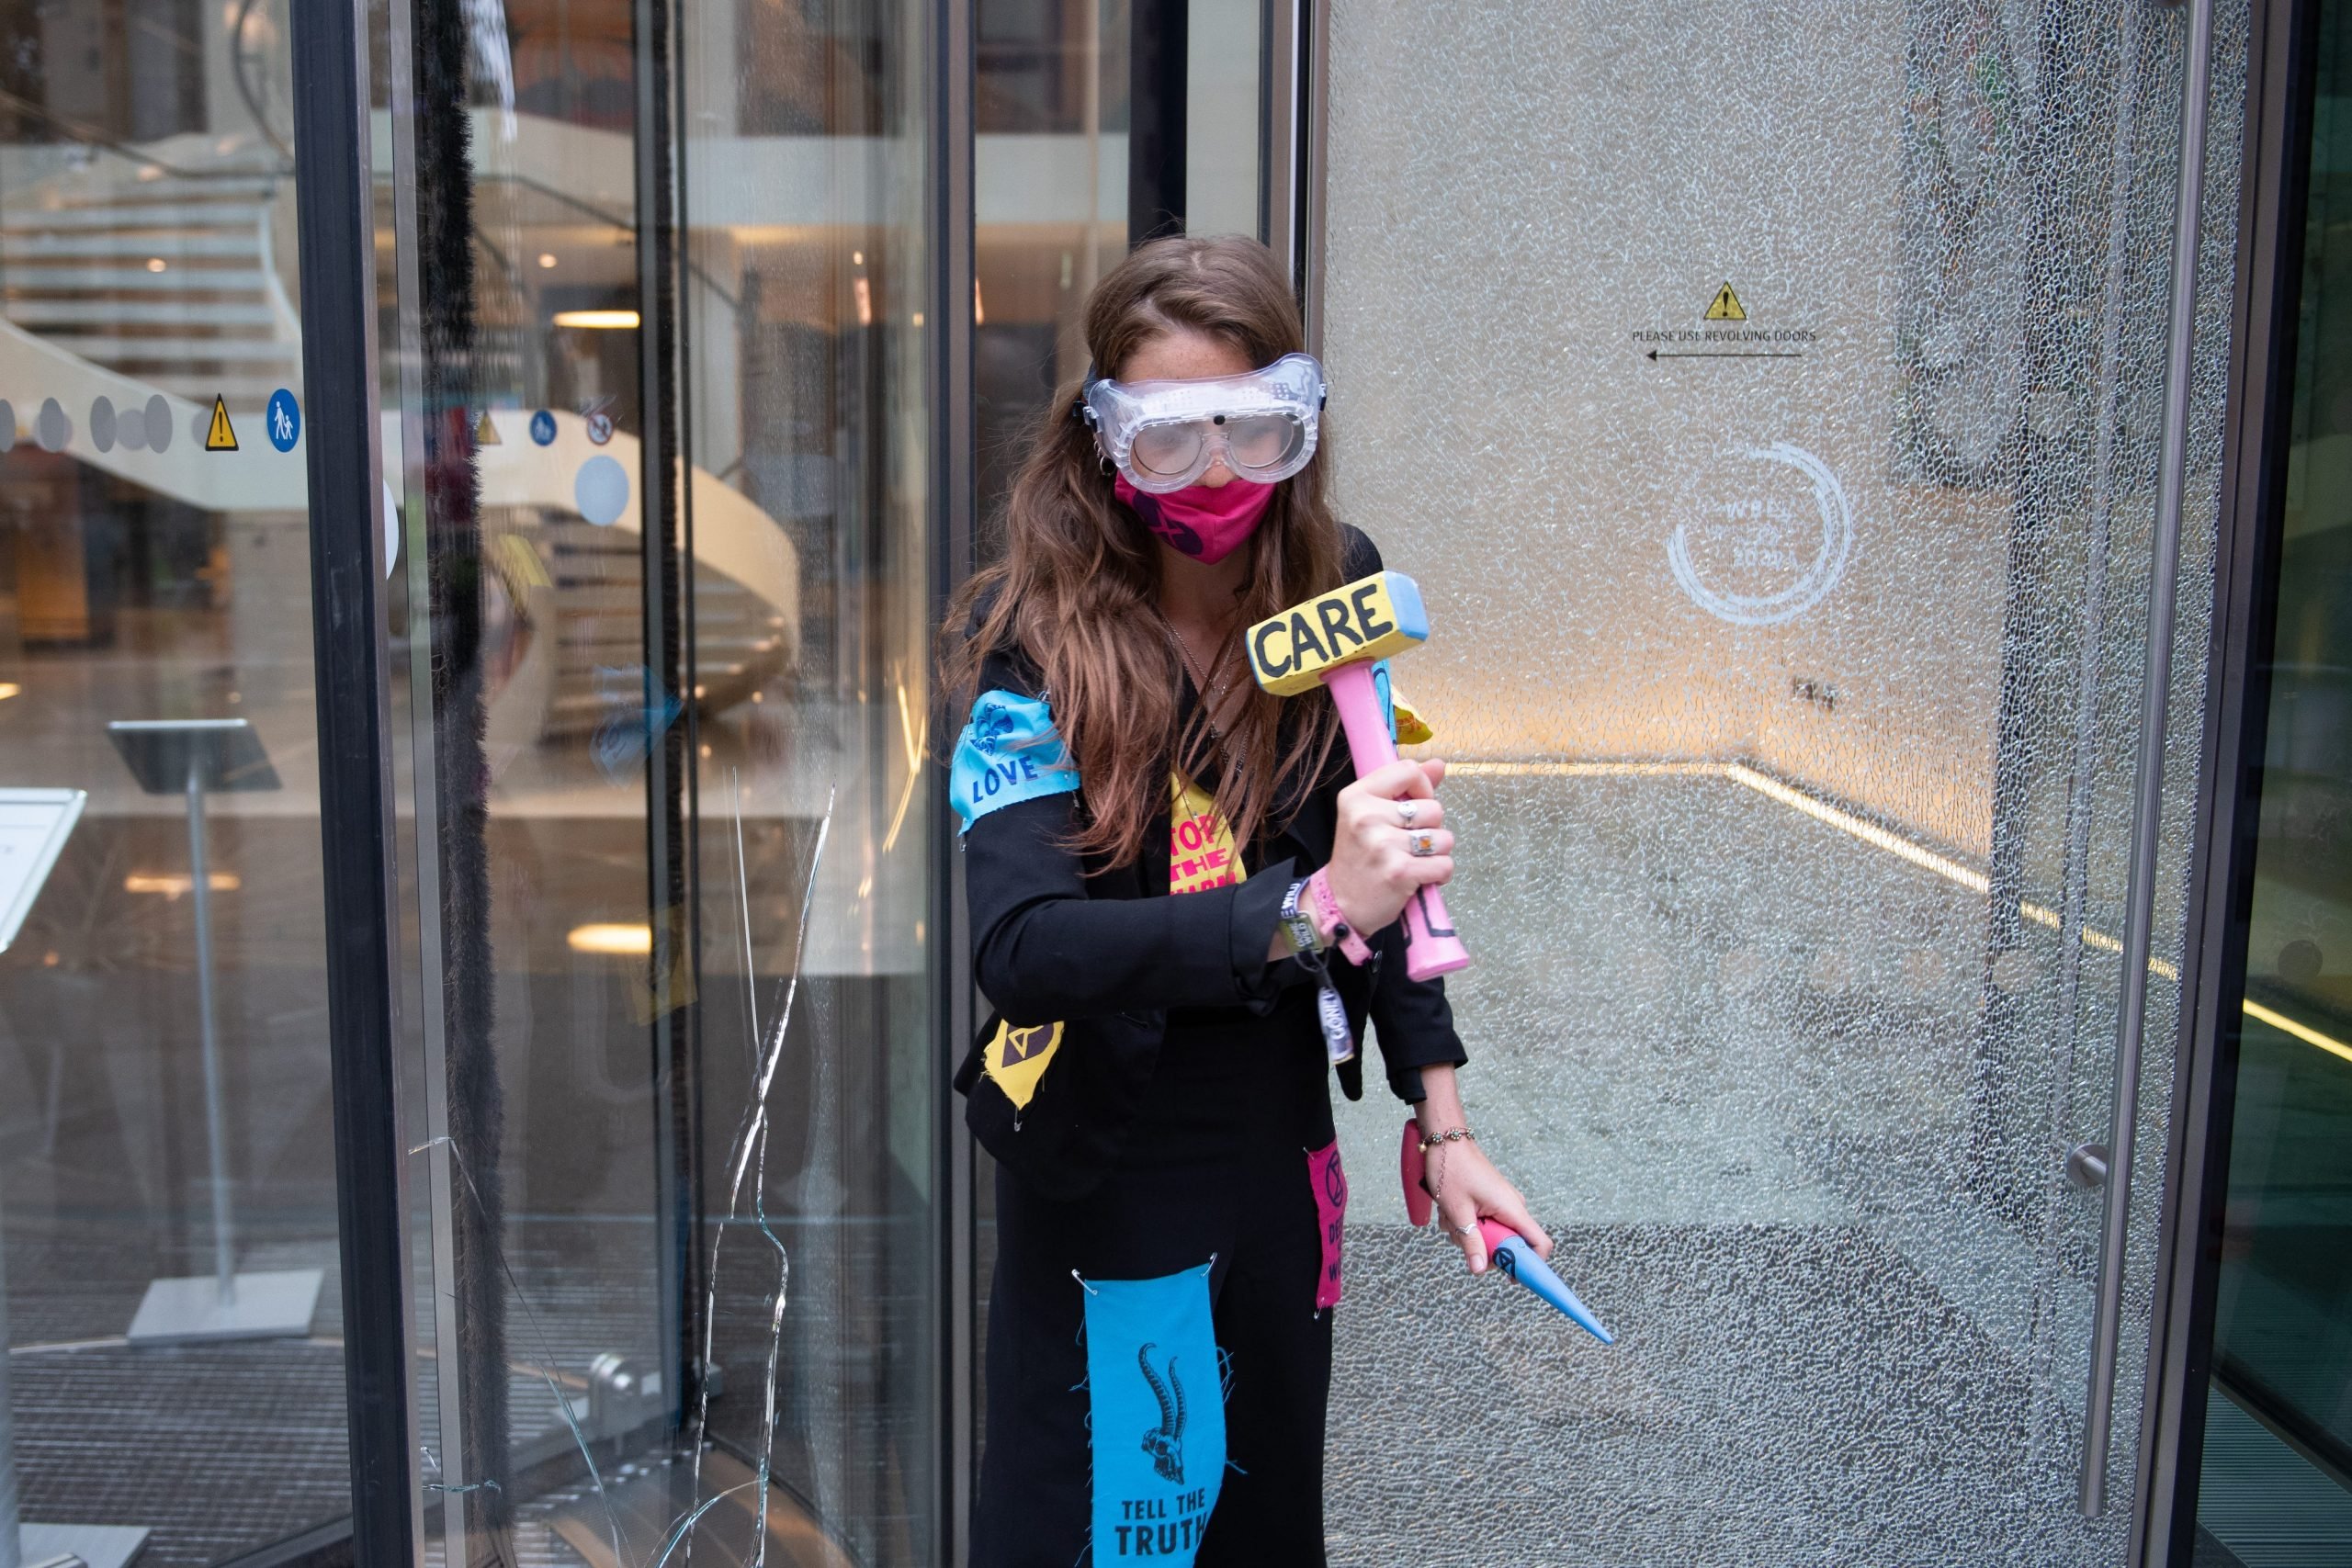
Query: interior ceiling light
point(619, 940)
point(156, 263)
point(547, 258)
point(9, 689)
point(171, 885)
point(606, 321)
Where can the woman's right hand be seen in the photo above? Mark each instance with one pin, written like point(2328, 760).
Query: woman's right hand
point(1373, 874)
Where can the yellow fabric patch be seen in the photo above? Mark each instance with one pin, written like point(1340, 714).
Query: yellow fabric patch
point(1200, 842)
point(1412, 730)
point(1017, 1058)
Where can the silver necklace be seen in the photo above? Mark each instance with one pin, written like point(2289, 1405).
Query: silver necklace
point(1211, 690)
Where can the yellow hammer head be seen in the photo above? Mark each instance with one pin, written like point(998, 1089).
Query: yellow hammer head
point(1372, 617)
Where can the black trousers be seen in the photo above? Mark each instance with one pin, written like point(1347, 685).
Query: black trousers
point(1220, 1169)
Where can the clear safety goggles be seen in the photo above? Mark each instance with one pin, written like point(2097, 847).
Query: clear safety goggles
point(1164, 434)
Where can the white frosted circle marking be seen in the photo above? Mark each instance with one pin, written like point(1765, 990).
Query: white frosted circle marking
point(600, 491)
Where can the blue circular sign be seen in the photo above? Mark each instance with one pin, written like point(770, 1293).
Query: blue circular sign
point(543, 428)
point(283, 420)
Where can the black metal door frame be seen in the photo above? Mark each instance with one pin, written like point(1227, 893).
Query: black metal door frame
point(334, 211)
point(672, 816)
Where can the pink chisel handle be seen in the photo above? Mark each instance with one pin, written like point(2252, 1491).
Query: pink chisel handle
point(1430, 946)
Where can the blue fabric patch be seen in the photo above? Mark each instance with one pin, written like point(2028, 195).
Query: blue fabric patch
point(1157, 1402)
point(1009, 752)
point(1387, 698)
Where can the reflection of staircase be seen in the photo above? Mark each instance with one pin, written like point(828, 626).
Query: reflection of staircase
point(122, 277)
point(166, 279)
point(741, 642)
point(747, 582)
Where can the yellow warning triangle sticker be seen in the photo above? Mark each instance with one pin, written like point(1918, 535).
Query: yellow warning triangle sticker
point(485, 433)
point(220, 437)
point(1726, 307)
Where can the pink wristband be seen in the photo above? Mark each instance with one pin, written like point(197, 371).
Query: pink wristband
point(1318, 887)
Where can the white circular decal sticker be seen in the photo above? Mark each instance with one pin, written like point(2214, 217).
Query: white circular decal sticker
point(599, 489)
point(1766, 539)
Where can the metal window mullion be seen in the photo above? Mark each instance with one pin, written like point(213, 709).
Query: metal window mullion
point(1157, 85)
point(664, 571)
point(1278, 101)
point(1314, 164)
point(953, 476)
point(336, 220)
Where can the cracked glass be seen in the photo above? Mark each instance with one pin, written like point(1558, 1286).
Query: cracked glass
point(655, 298)
point(1787, 535)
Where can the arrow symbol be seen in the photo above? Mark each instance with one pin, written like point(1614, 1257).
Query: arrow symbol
point(1726, 354)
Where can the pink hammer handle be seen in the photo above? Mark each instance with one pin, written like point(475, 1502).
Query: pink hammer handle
point(1430, 946)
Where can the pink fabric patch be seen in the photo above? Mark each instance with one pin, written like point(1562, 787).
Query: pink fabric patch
point(1330, 1185)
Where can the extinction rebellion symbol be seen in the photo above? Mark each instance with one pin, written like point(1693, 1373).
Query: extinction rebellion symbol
point(1766, 534)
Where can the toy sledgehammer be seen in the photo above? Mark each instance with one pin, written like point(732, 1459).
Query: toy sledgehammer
point(1336, 638)
point(1506, 1246)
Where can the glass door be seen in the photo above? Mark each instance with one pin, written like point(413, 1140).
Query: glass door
point(656, 279)
point(172, 1358)
point(1773, 405)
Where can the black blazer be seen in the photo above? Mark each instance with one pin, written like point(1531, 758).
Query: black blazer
point(1104, 951)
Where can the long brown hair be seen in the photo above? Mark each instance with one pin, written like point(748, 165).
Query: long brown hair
point(1077, 586)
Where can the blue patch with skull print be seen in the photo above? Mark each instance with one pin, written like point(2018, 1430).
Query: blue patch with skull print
point(1156, 1396)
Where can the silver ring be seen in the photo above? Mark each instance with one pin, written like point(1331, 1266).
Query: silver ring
point(1408, 812)
point(1464, 1230)
point(1421, 842)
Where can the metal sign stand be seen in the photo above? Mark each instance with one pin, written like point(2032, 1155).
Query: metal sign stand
point(193, 756)
point(34, 826)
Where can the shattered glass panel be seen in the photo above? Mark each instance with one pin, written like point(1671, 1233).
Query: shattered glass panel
point(1769, 399)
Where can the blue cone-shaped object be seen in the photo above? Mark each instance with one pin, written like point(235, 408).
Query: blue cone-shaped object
point(1511, 1254)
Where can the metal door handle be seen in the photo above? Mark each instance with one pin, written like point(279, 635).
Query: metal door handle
point(2099, 1414)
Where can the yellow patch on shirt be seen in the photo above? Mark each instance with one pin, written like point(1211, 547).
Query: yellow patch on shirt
point(1200, 842)
point(1412, 730)
point(1016, 1059)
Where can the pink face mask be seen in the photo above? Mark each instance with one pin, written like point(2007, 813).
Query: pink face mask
point(1205, 522)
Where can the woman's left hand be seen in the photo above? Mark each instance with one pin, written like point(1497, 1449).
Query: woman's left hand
point(1470, 1189)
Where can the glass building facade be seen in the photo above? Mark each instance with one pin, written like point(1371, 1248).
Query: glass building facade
point(481, 952)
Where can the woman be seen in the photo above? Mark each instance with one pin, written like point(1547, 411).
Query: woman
point(1183, 912)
